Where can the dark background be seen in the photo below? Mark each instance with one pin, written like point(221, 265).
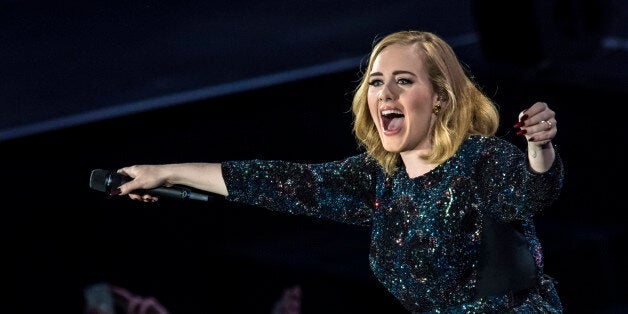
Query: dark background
point(101, 85)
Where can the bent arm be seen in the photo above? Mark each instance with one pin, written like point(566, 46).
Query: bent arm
point(538, 124)
point(518, 190)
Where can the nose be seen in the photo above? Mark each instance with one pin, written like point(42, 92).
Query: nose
point(386, 93)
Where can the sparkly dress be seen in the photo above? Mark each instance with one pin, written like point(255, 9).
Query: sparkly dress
point(458, 239)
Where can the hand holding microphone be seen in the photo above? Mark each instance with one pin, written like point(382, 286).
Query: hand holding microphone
point(109, 181)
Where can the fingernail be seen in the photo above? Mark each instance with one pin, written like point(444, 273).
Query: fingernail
point(531, 139)
point(522, 132)
point(523, 117)
point(518, 124)
point(115, 192)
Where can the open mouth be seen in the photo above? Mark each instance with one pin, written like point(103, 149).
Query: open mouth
point(392, 119)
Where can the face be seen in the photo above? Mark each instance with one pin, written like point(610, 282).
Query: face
point(400, 99)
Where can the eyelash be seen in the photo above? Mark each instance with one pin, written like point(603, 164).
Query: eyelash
point(402, 81)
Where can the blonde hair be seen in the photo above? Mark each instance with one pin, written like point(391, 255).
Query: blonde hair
point(466, 110)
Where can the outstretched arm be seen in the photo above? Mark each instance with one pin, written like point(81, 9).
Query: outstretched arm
point(538, 125)
point(202, 176)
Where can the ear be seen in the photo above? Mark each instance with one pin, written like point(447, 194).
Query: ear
point(437, 99)
point(438, 103)
point(442, 96)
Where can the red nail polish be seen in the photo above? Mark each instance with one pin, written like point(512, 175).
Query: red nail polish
point(531, 139)
point(115, 192)
point(522, 132)
point(518, 124)
point(523, 117)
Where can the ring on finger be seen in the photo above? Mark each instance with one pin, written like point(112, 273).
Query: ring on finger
point(549, 124)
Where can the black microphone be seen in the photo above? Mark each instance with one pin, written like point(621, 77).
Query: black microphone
point(106, 180)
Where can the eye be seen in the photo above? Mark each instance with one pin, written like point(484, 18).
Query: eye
point(376, 83)
point(404, 81)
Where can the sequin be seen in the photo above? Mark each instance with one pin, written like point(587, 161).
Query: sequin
point(426, 231)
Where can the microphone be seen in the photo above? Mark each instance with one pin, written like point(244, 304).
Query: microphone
point(106, 180)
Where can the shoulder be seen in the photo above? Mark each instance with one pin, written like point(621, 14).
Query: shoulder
point(359, 160)
point(488, 144)
point(482, 150)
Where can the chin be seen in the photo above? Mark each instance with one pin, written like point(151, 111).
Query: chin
point(392, 149)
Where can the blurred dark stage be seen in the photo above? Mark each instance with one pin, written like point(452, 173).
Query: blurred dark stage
point(89, 86)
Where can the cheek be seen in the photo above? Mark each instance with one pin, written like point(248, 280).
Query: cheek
point(421, 105)
point(372, 103)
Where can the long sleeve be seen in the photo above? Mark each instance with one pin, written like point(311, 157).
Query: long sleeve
point(521, 191)
point(339, 190)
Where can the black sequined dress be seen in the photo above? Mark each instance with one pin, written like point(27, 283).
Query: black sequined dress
point(459, 239)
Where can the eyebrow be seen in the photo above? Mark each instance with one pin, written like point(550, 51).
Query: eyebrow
point(394, 73)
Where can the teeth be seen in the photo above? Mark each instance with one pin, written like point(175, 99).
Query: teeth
point(391, 111)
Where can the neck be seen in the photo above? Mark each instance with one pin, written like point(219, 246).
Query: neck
point(415, 165)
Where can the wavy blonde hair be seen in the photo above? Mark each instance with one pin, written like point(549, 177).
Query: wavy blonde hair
point(466, 109)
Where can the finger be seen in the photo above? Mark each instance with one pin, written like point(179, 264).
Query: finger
point(127, 171)
point(531, 111)
point(143, 197)
point(543, 134)
point(128, 187)
point(149, 198)
point(521, 122)
point(541, 113)
point(521, 114)
point(537, 108)
point(542, 126)
point(133, 184)
point(534, 115)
